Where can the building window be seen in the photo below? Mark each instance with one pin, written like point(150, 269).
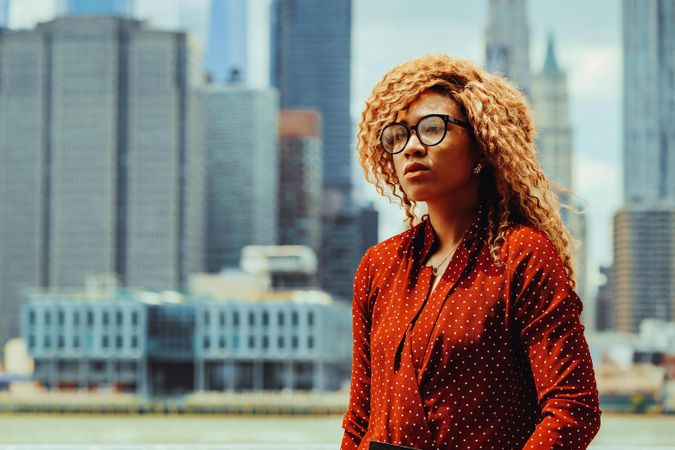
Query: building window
point(280, 318)
point(310, 342)
point(206, 318)
point(31, 317)
point(207, 342)
point(222, 318)
point(134, 318)
point(280, 341)
point(76, 341)
point(119, 317)
point(90, 318)
point(221, 341)
point(76, 318)
point(294, 318)
point(294, 342)
point(61, 317)
point(134, 341)
point(235, 342)
point(251, 318)
point(31, 342)
point(104, 342)
point(48, 318)
point(61, 341)
point(105, 318)
point(119, 341)
point(47, 342)
point(235, 318)
point(265, 342)
point(251, 342)
point(265, 318)
point(310, 318)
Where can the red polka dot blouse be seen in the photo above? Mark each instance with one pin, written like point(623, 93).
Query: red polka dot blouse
point(494, 358)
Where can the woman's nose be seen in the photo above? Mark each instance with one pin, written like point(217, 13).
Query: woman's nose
point(413, 144)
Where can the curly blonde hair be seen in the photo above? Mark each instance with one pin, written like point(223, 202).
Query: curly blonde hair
point(513, 184)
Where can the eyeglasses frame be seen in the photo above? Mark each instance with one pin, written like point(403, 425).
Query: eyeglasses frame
point(446, 118)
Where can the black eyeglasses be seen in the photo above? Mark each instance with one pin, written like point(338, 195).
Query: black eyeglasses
point(430, 130)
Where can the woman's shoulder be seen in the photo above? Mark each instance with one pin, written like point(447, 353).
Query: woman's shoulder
point(394, 246)
point(526, 243)
point(384, 255)
point(528, 236)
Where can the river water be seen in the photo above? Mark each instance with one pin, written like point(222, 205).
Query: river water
point(204, 432)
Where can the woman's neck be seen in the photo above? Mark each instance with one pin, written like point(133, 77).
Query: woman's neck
point(451, 222)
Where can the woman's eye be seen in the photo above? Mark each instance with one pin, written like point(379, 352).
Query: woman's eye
point(431, 129)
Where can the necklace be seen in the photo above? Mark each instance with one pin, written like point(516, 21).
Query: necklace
point(434, 269)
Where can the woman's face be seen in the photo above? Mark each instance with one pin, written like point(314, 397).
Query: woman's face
point(449, 164)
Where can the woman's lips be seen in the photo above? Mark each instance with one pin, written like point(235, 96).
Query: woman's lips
point(416, 173)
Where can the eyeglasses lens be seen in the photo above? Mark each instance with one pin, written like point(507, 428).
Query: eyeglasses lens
point(430, 131)
point(394, 138)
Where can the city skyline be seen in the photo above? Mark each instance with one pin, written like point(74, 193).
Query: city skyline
point(167, 236)
point(75, 211)
point(310, 59)
point(588, 49)
point(642, 277)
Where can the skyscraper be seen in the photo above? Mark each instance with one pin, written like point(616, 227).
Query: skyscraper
point(643, 271)
point(24, 163)
point(300, 179)
point(226, 54)
point(345, 238)
point(507, 41)
point(642, 276)
point(554, 153)
point(97, 7)
point(100, 159)
point(311, 67)
point(551, 110)
point(603, 301)
point(649, 105)
point(241, 171)
point(164, 160)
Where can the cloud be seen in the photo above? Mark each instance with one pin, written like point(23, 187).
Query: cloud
point(162, 14)
point(596, 71)
point(26, 13)
point(595, 95)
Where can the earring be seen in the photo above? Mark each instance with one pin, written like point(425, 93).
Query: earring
point(478, 168)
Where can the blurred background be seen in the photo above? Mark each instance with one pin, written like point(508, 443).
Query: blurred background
point(182, 210)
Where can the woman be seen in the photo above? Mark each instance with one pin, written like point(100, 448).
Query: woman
point(466, 326)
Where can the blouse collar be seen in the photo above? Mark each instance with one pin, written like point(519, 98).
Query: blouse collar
point(474, 231)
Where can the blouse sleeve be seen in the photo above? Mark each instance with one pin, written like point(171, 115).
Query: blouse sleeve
point(355, 422)
point(547, 310)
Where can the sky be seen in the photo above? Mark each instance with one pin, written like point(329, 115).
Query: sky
point(388, 32)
